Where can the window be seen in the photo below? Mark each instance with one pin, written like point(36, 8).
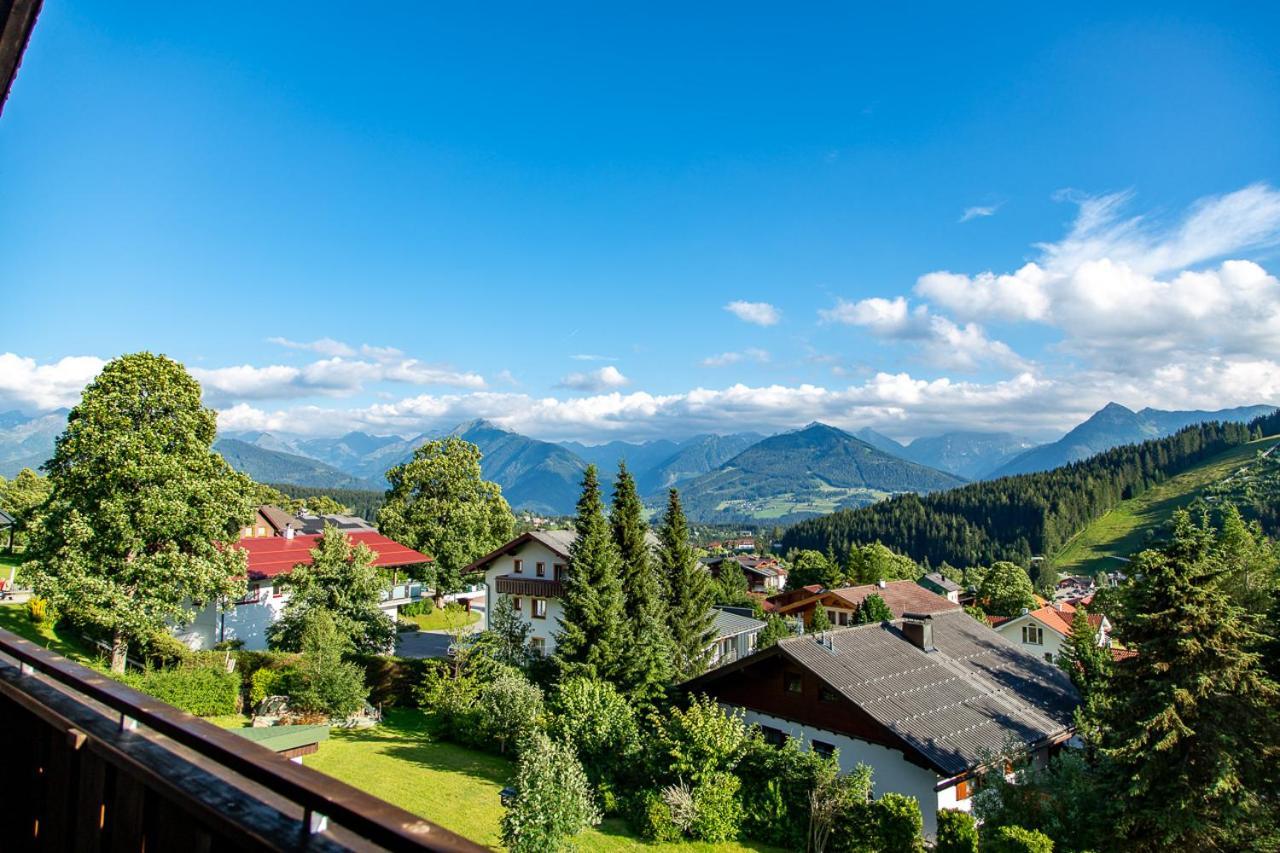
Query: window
point(558, 570)
point(1048, 657)
point(518, 566)
point(823, 748)
point(831, 617)
point(539, 608)
point(246, 532)
point(792, 682)
point(962, 790)
point(515, 603)
point(277, 591)
point(826, 694)
point(1032, 635)
point(538, 646)
point(541, 569)
point(772, 736)
point(844, 619)
point(262, 531)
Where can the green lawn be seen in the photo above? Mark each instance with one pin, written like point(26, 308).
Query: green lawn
point(450, 785)
point(441, 619)
point(13, 617)
point(1125, 530)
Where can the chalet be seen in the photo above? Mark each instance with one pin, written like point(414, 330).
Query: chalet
point(937, 583)
point(842, 604)
point(531, 569)
point(924, 700)
point(1043, 631)
point(737, 632)
point(271, 560)
point(764, 574)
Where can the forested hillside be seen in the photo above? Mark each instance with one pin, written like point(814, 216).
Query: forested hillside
point(1016, 517)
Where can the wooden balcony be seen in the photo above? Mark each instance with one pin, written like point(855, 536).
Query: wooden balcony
point(88, 764)
point(536, 587)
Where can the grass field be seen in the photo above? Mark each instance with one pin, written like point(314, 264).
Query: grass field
point(13, 617)
point(1128, 528)
point(450, 785)
point(441, 619)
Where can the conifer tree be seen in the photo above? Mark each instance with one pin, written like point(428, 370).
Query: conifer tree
point(591, 638)
point(1085, 662)
point(1189, 727)
point(690, 592)
point(647, 666)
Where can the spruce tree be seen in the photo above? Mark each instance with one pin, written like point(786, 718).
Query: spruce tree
point(1084, 661)
point(690, 592)
point(646, 669)
point(591, 639)
point(1189, 726)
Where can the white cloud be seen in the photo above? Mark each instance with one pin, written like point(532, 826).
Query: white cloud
point(943, 343)
point(28, 385)
point(335, 376)
point(591, 357)
point(595, 380)
point(979, 211)
point(323, 346)
point(1124, 291)
point(759, 313)
point(725, 359)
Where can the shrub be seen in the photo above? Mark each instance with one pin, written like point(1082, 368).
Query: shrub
point(421, 607)
point(205, 691)
point(392, 681)
point(699, 741)
point(681, 808)
point(600, 724)
point(776, 784)
point(957, 832)
point(1015, 839)
point(717, 809)
point(506, 710)
point(325, 683)
point(271, 682)
point(659, 824)
point(37, 610)
point(553, 799)
point(163, 649)
point(898, 822)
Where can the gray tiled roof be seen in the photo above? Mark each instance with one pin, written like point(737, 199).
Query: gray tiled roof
point(938, 580)
point(561, 541)
point(954, 706)
point(730, 624)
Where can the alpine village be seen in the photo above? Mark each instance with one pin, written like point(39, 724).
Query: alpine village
point(814, 638)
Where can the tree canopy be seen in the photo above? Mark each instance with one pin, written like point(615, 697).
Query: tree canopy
point(690, 592)
point(440, 504)
point(1006, 590)
point(646, 664)
point(140, 506)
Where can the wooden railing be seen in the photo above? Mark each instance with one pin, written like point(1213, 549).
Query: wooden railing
point(88, 764)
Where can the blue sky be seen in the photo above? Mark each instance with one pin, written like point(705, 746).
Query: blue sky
point(413, 215)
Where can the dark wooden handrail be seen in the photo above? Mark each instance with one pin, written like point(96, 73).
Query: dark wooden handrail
point(362, 814)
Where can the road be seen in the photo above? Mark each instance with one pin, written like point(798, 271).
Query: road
point(432, 644)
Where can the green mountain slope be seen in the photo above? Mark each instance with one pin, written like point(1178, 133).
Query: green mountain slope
point(804, 473)
point(272, 466)
point(1133, 523)
point(535, 475)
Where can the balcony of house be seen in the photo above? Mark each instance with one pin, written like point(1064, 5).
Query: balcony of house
point(90, 764)
point(536, 587)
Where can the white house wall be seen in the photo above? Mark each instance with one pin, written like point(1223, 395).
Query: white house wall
point(1012, 631)
point(890, 769)
point(531, 553)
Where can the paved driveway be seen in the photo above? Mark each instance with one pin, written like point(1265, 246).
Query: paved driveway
point(431, 644)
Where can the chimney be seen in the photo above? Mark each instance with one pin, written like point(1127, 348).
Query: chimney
point(881, 583)
point(919, 630)
point(288, 531)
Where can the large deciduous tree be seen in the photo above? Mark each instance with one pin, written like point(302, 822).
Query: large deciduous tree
point(690, 592)
point(592, 635)
point(1190, 725)
point(132, 533)
point(1006, 590)
point(22, 498)
point(874, 563)
point(341, 580)
point(812, 567)
point(440, 504)
point(646, 670)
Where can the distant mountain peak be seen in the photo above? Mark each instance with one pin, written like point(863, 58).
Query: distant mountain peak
point(476, 424)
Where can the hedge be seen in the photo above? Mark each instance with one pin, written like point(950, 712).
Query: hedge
point(206, 691)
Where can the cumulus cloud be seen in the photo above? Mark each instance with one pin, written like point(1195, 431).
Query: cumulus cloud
point(979, 211)
point(943, 342)
point(1126, 291)
point(28, 385)
point(595, 380)
point(759, 313)
point(725, 359)
point(335, 376)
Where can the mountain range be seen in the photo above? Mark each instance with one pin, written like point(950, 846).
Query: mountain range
point(1112, 426)
point(734, 477)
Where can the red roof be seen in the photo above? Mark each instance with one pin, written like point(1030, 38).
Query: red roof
point(275, 555)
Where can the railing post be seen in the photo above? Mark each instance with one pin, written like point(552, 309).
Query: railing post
point(127, 723)
point(313, 822)
point(26, 668)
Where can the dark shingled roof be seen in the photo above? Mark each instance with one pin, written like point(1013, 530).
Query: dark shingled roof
point(955, 706)
point(730, 624)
